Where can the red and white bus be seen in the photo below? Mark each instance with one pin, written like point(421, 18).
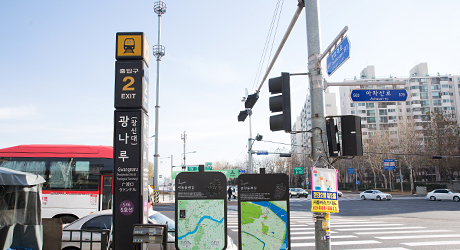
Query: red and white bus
point(78, 178)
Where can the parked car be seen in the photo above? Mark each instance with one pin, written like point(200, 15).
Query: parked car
point(297, 192)
point(374, 195)
point(103, 220)
point(443, 194)
point(339, 193)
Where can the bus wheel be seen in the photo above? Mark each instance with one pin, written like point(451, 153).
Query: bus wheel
point(67, 219)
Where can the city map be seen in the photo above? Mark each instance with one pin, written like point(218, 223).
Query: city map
point(200, 224)
point(264, 225)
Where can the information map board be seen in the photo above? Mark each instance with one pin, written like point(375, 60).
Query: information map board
point(201, 209)
point(263, 209)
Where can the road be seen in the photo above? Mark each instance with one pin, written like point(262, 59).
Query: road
point(399, 224)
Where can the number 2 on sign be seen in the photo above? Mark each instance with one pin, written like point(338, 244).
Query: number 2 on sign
point(128, 87)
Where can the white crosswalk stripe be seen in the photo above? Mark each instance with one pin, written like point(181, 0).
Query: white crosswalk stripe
point(370, 233)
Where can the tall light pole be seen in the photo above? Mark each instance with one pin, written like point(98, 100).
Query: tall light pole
point(158, 51)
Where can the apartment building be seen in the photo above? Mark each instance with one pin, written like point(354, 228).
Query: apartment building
point(426, 93)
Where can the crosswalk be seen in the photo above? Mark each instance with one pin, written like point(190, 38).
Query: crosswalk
point(367, 233)
point(355, 198)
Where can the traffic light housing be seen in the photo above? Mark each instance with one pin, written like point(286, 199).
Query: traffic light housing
point(436, 157)
point(280, 103)
point(332, 142)
point(251, 101)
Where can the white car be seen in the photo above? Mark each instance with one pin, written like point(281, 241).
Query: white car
point(374, 195)
point(103, 220)
point(339, 193)
point(443, 194)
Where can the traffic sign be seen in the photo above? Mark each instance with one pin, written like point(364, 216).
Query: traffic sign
point(262, 152)
point(192, 168)
point(379, 95)
point(351, 171)
point(242, 171)
point(389, 164)
point(338, 56)
point(298, 170)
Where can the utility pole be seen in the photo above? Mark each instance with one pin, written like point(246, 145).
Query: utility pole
point(250, 144)
point(184, 138)
point(317, 110)
point(158, 51)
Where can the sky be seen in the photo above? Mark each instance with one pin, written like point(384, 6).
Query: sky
point(57, 66)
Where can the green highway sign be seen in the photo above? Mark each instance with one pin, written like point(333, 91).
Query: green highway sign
point(192, 168)
point(298, 170)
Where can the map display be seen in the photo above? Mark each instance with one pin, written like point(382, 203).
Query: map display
point(200, 224)
point(264, 225)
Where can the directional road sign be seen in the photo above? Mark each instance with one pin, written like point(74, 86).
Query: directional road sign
point(298, 170)
point(351, 171)
point(389, 164)
point(262, 153)
point(379, 95)
point(338, 56)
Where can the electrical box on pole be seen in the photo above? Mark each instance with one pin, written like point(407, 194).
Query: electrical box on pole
point(280, 103)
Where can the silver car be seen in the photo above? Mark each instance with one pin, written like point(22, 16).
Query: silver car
point(443, 194)
point(103, 220)
point(375, 195)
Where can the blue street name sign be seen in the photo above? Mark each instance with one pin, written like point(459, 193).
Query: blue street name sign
point(389, 164)
point(357, 182)
point(338, 56)
point(242, 171)
point(351, 171)
point(379, 95)
point(262, 153)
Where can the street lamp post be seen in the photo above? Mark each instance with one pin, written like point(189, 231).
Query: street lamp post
point(184, 166)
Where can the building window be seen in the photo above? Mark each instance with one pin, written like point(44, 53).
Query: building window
point(391, 110)
point(391, 118)
point(436, 102)
point(423, 95)
point(408, 110)
point(352, 112)
point(423, 88)
point(352, 105)
point(407, 103)
point(436, 87)
point(361, 104)
point(438, 109)
point(400, 110)
point(384, 119)
point(436, 95)
point(362, 111)
point(369, 105)
point(446, 108)
point(383, 112)
point(370, 112)
point(370, 119)
point(444, 86)
point(425, 103)
point(414, 94)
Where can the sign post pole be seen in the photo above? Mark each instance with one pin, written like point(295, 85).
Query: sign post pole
point(131, 123)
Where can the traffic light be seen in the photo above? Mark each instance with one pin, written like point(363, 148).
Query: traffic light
point(251, 101)
point(436, 157)
point(332, 142)
point(280, 103)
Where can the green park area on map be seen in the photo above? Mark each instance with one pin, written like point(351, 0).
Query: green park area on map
point(201, 224)
point(263, 225)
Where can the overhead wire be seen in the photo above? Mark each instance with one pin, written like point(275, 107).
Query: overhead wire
point(267, 42)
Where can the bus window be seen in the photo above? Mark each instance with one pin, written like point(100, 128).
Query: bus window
point(35, 167)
